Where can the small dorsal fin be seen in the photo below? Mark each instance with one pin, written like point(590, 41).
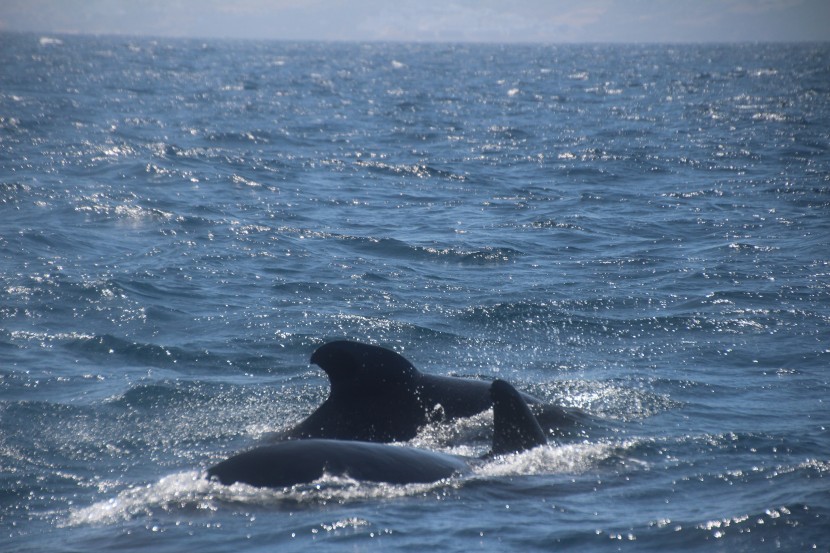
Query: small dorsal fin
point(515, 428)
point(356, 369)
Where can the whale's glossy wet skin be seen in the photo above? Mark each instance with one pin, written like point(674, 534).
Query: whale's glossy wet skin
point(515, 429)
point(378, 395)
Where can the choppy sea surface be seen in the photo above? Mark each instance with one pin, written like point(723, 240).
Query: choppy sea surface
point(641, 232)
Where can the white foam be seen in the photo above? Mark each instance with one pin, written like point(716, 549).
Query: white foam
point(180, 489)
point(49, 41)
point(189, 491)
point(549, 459)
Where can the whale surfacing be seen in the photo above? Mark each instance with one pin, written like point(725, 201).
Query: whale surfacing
point(377, 395)
point(293, 462)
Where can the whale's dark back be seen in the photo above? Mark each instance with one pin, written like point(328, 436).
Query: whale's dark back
point(302, 461)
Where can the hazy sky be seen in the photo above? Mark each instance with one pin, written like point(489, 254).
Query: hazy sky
point(432, 20)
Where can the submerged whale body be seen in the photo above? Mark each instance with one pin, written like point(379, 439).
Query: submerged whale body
point(377, 395)
point(302, 461)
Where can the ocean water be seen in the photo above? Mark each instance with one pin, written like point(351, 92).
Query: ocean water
point(641, 232)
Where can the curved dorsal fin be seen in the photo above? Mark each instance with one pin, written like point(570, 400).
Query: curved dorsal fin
point(356, 369)
point(515, 428)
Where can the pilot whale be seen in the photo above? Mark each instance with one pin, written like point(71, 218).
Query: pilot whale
point(284, 464)
point(377, 395)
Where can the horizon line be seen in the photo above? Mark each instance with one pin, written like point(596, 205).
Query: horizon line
point(115, 34)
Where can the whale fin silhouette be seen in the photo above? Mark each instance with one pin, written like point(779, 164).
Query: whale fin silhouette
point(377, 395)
point(515, 428)
point(357, 369)
point(373, 395)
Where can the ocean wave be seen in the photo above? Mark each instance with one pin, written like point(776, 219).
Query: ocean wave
point(396, 248)
point(415, 170)
point(143, 353)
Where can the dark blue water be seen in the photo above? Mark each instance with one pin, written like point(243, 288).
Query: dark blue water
point(642, 232)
